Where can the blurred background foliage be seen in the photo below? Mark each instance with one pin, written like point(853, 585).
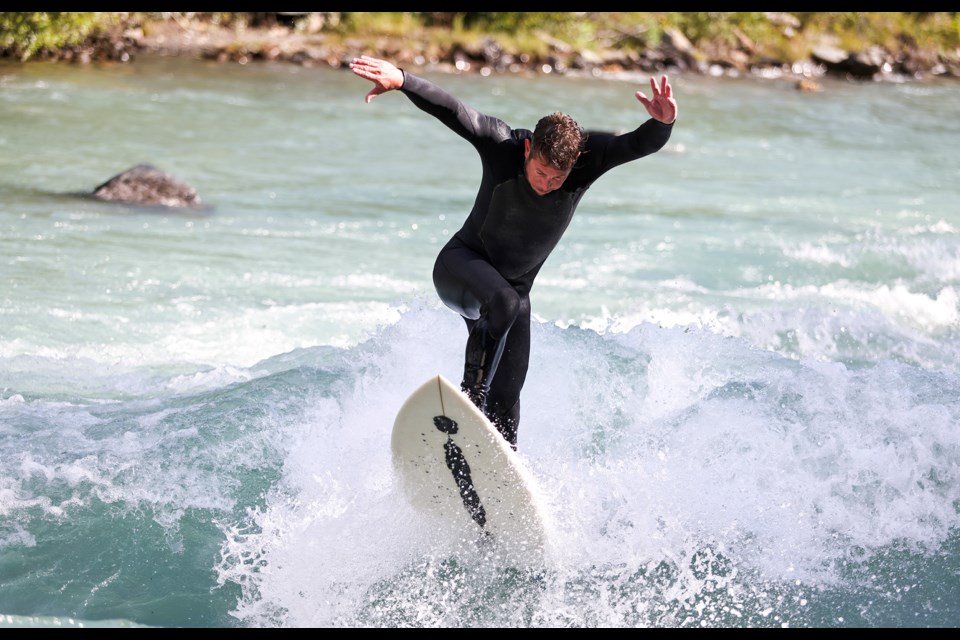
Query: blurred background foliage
point(25, 35)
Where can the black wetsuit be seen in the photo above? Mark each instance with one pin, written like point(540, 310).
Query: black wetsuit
point(487, 268)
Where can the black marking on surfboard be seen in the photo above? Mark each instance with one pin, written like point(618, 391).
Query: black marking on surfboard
point(445, 424)
point(457, 463)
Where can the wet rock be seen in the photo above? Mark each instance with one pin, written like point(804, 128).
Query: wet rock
point(867, 64)
point(148, 185)
point(828, 55)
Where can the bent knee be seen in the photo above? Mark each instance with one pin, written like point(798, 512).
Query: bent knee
point(502, 311)
point(453, 292)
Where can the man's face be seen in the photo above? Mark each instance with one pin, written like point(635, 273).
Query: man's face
point(543, 177)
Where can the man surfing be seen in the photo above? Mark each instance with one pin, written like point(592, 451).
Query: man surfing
point(531, 185)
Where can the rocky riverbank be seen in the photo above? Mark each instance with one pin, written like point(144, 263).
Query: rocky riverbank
point(675, 53)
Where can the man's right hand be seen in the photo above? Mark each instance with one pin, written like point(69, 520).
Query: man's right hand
point(384, 75)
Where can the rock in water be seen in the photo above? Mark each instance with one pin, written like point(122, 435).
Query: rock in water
point(145, 184)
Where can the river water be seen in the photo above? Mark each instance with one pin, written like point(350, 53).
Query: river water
point(743, 404)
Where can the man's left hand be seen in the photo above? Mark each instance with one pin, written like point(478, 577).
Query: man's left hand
point(662, 107)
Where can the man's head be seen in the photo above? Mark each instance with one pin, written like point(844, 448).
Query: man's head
point(549, 158)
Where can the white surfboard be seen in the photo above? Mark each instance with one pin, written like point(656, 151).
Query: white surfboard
point(453, 462)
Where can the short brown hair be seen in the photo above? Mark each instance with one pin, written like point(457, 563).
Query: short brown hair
point(558, 140)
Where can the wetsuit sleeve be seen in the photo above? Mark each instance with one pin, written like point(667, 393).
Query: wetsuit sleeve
point(608, 150)
point(464, 120)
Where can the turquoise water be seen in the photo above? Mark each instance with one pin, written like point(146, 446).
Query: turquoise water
point(743, 400)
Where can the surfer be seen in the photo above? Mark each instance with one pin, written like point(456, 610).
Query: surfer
point(531, 184)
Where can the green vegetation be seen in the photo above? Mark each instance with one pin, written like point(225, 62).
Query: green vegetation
point(939, 31)
point(26, 35)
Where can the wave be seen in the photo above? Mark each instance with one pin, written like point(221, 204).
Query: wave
point(691, 478)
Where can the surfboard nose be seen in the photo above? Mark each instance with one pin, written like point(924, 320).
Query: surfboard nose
point(464, 470)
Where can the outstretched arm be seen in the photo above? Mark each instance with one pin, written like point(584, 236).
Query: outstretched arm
point(466, 121)
point(662, 106)
point(384, 75)
point(608, 150)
